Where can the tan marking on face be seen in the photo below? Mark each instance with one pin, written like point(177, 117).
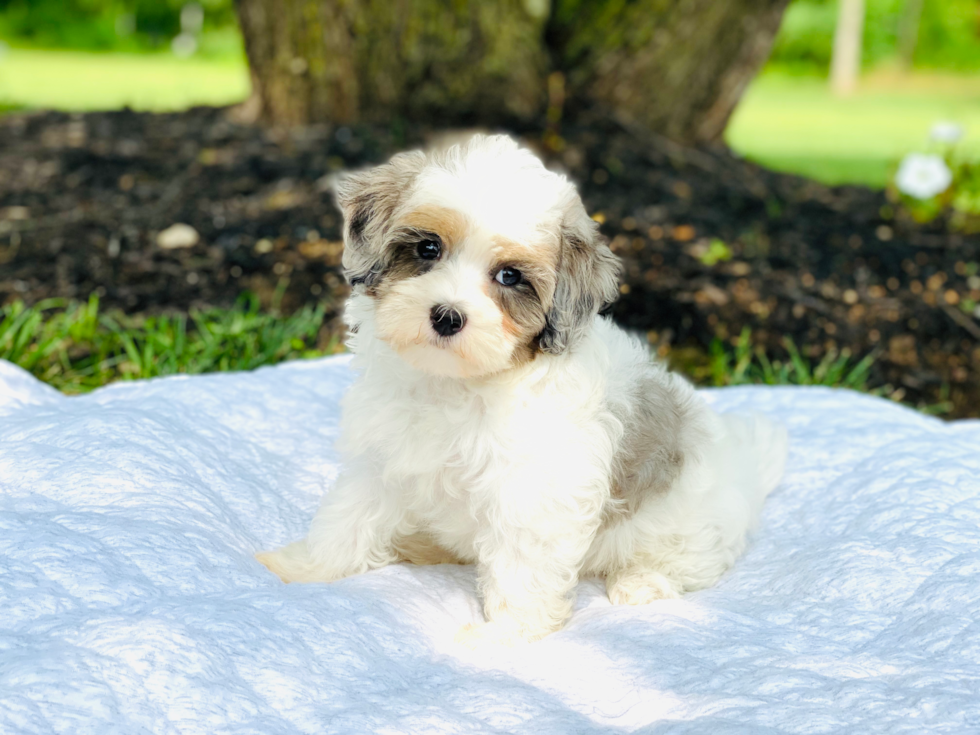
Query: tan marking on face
point(542, 255)
point(512, 329)
point(539, 262)
point(448, 224)
point(523, 307)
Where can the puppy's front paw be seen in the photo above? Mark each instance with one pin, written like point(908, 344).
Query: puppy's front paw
point(477, 636)
point(640, 588)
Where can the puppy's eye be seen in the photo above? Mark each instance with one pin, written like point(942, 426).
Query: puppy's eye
point(508, 277)
point(428, 250)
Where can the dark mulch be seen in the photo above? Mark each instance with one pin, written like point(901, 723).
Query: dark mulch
point(83, 197)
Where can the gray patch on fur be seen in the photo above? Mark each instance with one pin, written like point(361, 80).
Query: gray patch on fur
point(522, 306)
point(368, 200)
point(588, 280)
point(399, 260)
point(660, 420)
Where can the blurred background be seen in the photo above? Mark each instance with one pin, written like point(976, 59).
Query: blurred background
point(794, 186)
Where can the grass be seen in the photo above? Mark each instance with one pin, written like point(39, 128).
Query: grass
point(77, 347)
point(795, 124)
point(741, 364)
point(80, 81)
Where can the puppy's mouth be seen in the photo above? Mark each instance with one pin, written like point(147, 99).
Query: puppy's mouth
point(454, 343)
point(450, 339)
point(436, 354)
point(427, 337)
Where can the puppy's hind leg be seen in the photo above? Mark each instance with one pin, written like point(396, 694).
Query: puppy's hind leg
point(291, 563)
point(639, 586)
point(674, 563)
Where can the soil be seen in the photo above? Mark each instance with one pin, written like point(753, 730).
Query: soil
point(711, 243)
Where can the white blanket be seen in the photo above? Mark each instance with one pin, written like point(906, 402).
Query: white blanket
point(130, 602)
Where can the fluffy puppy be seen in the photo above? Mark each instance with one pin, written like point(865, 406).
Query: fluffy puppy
point(498, 420)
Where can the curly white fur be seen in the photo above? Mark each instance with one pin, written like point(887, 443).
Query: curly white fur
point(586, 459)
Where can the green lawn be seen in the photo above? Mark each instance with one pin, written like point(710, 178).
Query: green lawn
point(73, 80)
point(77, 346)
point(795, 124)
point(789, 123)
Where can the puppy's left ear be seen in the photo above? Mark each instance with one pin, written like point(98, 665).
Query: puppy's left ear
point(588, 280)
point(368, 199)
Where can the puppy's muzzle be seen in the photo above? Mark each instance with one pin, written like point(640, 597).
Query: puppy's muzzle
point(446, 320)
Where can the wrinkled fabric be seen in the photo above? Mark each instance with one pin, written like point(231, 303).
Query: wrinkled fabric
point(130, 601)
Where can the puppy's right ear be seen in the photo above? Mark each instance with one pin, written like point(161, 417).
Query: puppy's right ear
point(368, 199)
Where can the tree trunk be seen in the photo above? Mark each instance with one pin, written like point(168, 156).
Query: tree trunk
point(677, 67)
point(845, 63)
point(369, 60)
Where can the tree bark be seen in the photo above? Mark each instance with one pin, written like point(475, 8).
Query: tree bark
point(677, 67)
point(370, 60)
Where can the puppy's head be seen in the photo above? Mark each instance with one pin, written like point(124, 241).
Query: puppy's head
point(477, 258)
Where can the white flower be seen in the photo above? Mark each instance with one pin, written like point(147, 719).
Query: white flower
point(945, 131)
point(183, 45)
point(923, 176)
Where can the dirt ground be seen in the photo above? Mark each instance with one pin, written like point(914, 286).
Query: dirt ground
point(711, 243)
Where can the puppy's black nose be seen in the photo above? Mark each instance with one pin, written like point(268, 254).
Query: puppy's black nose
point(446, 320)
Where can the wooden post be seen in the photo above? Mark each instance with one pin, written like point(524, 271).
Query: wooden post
point(845, 64)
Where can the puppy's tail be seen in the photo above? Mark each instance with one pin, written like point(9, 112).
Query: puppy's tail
point(293, 563)
point(761, 446)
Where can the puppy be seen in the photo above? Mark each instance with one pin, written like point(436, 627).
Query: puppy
point(498, 420)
